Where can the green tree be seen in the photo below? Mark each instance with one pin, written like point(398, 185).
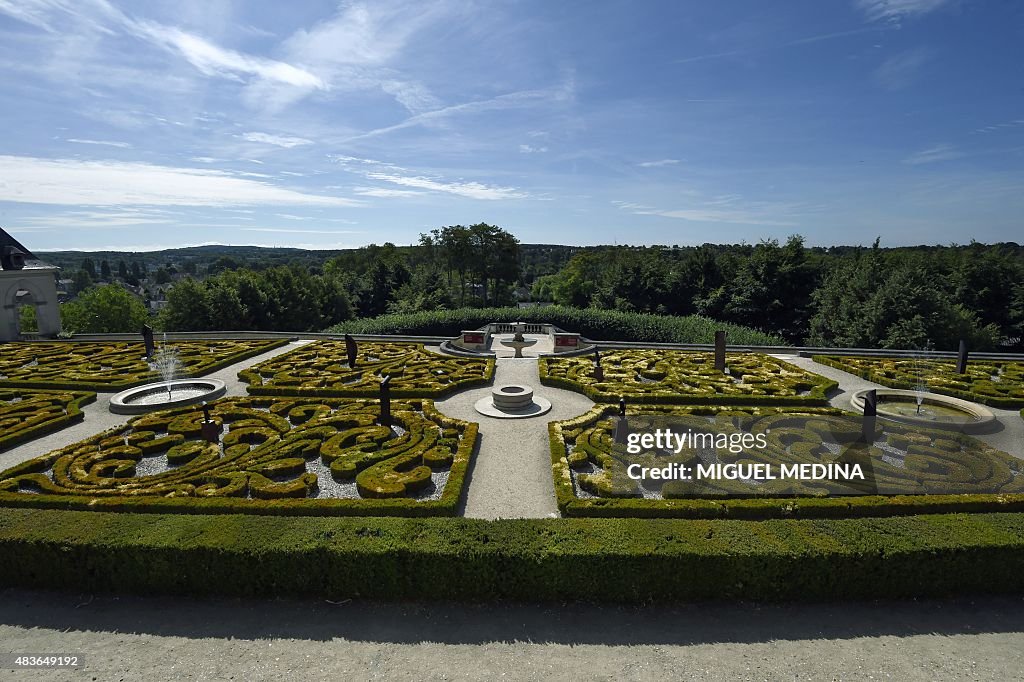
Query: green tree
point(187, 308)
point(104, 310)
point(105, 273)
point(81, 280)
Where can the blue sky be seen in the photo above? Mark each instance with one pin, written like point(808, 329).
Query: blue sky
point(144, 125)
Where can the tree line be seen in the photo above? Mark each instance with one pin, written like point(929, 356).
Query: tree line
point(908, 297)
point(913, 297)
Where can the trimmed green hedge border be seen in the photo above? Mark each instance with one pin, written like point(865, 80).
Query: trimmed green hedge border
point(73, 416)
point(754, 508)
point(112, 387)
point(593, 323)
point(617, 560)
point(447, 505)
point(817, 396)
point(992, 401)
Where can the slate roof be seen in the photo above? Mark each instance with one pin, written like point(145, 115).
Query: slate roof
point(31, 261)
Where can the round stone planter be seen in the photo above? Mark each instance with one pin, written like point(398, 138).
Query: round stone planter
point(151, 397)
point(512, 401)
point(954, 414)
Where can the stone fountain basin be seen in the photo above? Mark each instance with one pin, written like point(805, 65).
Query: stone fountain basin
point(150, 397)
point(954, 414)
point(512, 401)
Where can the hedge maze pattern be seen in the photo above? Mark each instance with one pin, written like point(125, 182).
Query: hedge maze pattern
point(321, 368)
point(114, 365)
point(995, 383)
point(901, 461)
point(26, 414)
point(268, 450)
point(672, 376)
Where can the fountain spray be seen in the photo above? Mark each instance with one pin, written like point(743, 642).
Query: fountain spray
point(167, 363)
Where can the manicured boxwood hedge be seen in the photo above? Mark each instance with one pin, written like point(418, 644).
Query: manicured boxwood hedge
point(321, 369)
point(29, 413)
point(940, 376)
point(626, 560)
point(590, 436)
point(593, 323)
point(114, 365)
point(687, 378)
point(260, 464)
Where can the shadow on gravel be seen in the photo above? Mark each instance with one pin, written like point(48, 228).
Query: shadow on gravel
point(572, 624)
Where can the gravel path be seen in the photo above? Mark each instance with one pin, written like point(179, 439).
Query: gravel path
point(98, 417)
point(511, 477)
point(1009, 438)
point(130, 638)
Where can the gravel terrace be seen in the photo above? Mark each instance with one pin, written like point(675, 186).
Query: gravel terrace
point(155, 638)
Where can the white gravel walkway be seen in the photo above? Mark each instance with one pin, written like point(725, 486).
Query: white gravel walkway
point(132, 638)
point(511, 477)
point(98, 417)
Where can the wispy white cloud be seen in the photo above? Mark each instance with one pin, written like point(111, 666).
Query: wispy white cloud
point(284, 141)
point(997, 127)
point(285, 230)
point(108, 143)
point(113, 183)
point(806, 40)
point(758, 214)
point(471, 190)
point(523, 98)
point(95, 219)
point(385, 193)
point(941, 152)
point(901, 70)
point(277, 81)
point(659, 163)
point(382, 171)
point(213, 60)
point(530, 149)
point(895, 10)
point(292, 216)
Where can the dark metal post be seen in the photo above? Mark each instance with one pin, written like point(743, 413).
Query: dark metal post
point(351, 349)
point(870, 416)
point(147, 338)
point(621, 424)
point(720, 351)
point(210, 428)
point(961, 358)
point(385, 400)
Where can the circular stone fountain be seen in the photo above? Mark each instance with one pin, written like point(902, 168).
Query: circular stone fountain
point(512, 401)
point(929, 410)
point(170, 392)
point(165, 395)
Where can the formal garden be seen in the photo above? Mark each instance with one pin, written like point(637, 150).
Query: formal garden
point(322, 368)
point(996, 383)
point(105, 366)
point(249, 493)
point(672, 376)
point(28, 413)
point(909, 470)
point(269, 456)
